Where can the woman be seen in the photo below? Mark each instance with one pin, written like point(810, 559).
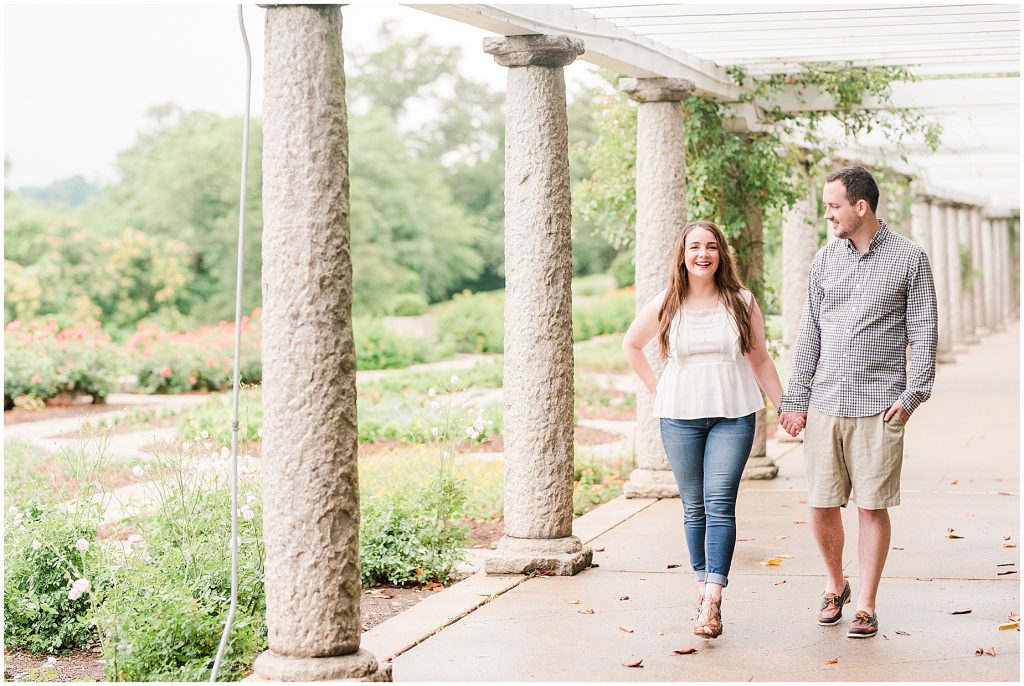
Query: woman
point(712, 332)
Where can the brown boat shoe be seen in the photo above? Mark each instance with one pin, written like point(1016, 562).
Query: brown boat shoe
point(831, 610)
point(863, 625)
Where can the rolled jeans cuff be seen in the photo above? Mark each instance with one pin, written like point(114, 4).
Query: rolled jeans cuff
point(710, 577)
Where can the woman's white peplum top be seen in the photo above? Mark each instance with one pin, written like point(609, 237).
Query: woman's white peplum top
point(706, 374)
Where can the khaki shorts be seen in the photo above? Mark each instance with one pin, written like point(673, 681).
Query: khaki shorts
point(853, 458)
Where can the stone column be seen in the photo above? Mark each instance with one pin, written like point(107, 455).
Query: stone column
point(799, 245)
point(311, 514)
point(538, 374)
point(660, 217)
point(920, 226)
point(964, 236)
point(940, 272)
point(990, 276)
point(983, 280)
point(954, 279)
point(1010, 264)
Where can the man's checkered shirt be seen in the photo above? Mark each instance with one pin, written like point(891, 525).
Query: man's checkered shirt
point(862, 311)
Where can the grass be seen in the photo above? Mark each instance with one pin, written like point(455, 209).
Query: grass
point(603, 354)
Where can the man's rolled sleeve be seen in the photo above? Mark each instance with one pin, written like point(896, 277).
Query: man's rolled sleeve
point(807, 349)
point(922, 334)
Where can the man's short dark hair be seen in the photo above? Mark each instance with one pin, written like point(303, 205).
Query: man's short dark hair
point(859, 183)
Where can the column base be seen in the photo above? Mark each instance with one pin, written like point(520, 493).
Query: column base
point(760, 468)
point(982, 331)
point(358, 666)
point(971, 340)
point(651, 483)
point(563, 556)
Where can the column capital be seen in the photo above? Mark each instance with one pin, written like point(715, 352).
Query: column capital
point(657, 89)
point(534, 50)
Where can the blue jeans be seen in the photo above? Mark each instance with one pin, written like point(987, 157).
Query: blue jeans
point(707, 458)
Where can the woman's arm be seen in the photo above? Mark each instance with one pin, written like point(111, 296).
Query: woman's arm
point(760, 361)
point(643, 329)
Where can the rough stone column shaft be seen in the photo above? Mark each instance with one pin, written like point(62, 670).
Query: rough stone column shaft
point(538, 377)
point(981, 326)
point(311, 502)
point(660, 217)
point(967, 249)
point(954, 278)
point(991, 277)
point(940, 272)
point(799, 245)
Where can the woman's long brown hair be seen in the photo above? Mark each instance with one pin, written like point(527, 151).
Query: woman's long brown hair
point(727, 283)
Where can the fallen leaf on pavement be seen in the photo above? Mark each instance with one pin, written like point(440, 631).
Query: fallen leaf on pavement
point(924, 578)
point(573, 602)
point(599, 550)
point(962, 612)
point(1007, 564)
point(672, 566)
point(1006, 493)
point(746, 539)
point(779, 538)
point(364, 627)
point(954, 482)
point(833, 661)
point(985, 651)
point(1009, 545)
point(626, 629)
point(799, 521)
point(1013, 617)
point(1009, 625)
point(952, 534)
point(1006, 538)
point(638, 663)
point(625, 597)
point(1009, 571)
point(774, 562)
point(685, 651)
point(588, 611)
point(902, 633)
point(896, 547)
point(780, 582)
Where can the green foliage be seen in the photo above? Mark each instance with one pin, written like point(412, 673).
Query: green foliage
point(623, 268)
point(43, 360)
point(408, 305)
point(597, 481)
point(408, 382)
point(212, 420)
point(604, 355)
point(594, 284)
point(39, 560)
point(379, 348)
point(473, 322)
point(609, 313)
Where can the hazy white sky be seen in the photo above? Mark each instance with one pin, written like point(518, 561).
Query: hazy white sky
point(78, 79)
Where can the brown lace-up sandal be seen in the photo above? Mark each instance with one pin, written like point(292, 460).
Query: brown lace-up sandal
point(709, 620)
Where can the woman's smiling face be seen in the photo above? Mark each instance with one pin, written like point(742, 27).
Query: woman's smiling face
point(701, 257)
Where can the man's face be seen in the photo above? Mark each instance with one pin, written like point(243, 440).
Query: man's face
point(846, 218)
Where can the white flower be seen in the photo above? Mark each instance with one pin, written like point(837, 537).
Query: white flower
point(243, 470)
point(432, 392)
point(238, 542)
point(225, 453)
point(137, 470)
point(82, 544)
point(469, 431)
point(479, 424)
point(435, 431)
point(36, 545)
point(134, 539)
point(490, 422)
point(13, 511)
point(185, 446)
point(434, 405)
point(454, 380)
point(51, 660)
point(259, 432)
point(474, 434)
point(74, 595)
point(250, 498)
point(204, 435)
point(80, 585)
point(247, 513)
point(207, 445)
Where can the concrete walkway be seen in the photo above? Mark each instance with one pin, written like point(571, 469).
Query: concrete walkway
point(961, 472)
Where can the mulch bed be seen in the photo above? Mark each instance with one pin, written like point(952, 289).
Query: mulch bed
point(80, 665)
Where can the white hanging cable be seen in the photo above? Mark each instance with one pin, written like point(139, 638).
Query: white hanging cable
point(233, 545)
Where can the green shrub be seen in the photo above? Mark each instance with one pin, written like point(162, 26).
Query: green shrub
point(408, 538)
point(40, 561)
point(214, 418)
point(597, 481)
point(594, 284)
point(378, 348)
point(624, 269)
point(408, 305)
point(473, 322)
point(609, 313)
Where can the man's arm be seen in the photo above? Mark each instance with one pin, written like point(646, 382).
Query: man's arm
point(922, 334)
point(807, 348)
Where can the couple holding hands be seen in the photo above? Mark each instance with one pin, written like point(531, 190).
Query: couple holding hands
point(870, 294)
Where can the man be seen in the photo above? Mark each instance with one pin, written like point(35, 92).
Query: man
point(869, 294)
